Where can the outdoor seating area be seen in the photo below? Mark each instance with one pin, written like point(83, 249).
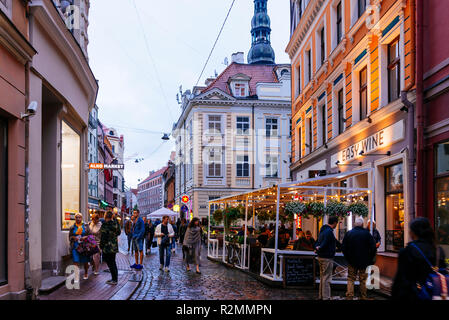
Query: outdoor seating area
point(239, 234)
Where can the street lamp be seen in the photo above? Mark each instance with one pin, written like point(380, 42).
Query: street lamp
point(166, 137)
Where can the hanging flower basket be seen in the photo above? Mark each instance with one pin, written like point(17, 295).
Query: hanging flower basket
point(336, 209)
point(263, 216)
point(315, 208)
point(294, 207)
point(359, 208)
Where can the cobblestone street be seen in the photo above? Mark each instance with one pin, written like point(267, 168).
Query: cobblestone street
point(216, 282)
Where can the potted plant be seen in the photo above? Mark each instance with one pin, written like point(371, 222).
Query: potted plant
point(336, 209)
point(316, 209)
point(359, 208)
point(294, 207)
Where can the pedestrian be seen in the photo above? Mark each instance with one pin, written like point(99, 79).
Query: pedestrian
point(413, 262)
point(128, 229)
point(182, 230)
point(164, 233)
point(302, 243)
point(310, 238)
point(150, 235)
point(94, 230)
point(376, 234)
point(78, 233)
point(325, 248)
point(138, 234)
point(359, 249)
point(146, 235)
point(109, 232)
point(192, 244)
point(173, 240)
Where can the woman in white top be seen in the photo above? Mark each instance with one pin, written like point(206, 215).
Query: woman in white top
point(94, 229)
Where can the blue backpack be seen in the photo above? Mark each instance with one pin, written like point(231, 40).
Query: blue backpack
point(436, 285)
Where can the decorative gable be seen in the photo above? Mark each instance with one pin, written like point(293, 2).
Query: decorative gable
point(215, 94)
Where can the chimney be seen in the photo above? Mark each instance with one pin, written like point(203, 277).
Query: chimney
point(238, 57)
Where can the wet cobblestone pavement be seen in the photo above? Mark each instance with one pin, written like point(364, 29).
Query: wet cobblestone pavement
point(216, 282)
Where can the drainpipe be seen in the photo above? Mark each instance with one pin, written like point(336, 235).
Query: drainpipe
point(420, 117)
point(411, 125)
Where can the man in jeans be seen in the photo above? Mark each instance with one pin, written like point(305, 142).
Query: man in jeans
point(359, 248)
point(164, 233)
point(325, 248)
point(138, 233)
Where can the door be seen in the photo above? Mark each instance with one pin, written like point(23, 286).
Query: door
point(3, 200)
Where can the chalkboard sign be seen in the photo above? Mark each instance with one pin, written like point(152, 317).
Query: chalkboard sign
point(299, 271)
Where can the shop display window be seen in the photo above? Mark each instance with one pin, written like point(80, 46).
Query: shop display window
point(442, 196)
point(394, 207)
point(70, 174)
point(3, 201)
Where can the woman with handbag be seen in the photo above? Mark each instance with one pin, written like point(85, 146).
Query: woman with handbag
point(78, 233)
point(94, 230)
point(192, 244)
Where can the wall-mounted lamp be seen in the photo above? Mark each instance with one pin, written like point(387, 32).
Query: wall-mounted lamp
point(362, 153)
point(369, 120)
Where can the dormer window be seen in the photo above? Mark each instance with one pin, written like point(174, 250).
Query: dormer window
point(240, 89)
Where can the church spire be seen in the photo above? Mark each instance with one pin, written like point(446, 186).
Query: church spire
point(261, 51)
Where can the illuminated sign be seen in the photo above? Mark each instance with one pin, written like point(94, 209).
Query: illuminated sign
point(101, 166)
point(379, 140)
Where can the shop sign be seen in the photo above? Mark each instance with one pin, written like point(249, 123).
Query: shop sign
point(379, 140)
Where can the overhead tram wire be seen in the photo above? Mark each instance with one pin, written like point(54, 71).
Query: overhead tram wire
point(216, 41)
point(152, 61)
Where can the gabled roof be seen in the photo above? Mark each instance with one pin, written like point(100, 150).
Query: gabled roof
point(154, 175)
point(256, 73)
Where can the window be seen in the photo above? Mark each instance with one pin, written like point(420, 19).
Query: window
point(3, 197)
point(323, 124)
point(309, 65)
point(339, 23)
point(310, 133)
point(341, 118)
point(115, 182)
point(242, 166)
point(214, 124)
point(271, 126)
point(394, 207)
point(271, 166)
point(299, 143)
point(298, 82)
point(214, 163)
point(190, 164)
point(214, 206)
point(363, 93)
point(442, 196)
point(361, 7)
point(322, 46)
point(394, 79)
point(5, 6)
point(243, 125)
point(70, 175)
point(240, 89)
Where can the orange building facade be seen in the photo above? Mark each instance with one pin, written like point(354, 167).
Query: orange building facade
point(351, 60)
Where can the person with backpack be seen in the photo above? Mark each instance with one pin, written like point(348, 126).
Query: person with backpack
point(164, 233)
point(359, 249)
point(325, 247)
point(109, 232)
point(416, 273)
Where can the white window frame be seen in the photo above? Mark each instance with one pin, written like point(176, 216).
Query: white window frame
point(307, 137)
point(355, 11)
point(240, 131)
point(318, 58)
point(335, 123)
point(319, 126)
point(364, 62)
point(6, 8)
point(245, 87)
point(308, 74)
point(216, 122)
point(277, 133)
point(270, 165)
point(334, 41)
point(240, 161)
point(215, 159)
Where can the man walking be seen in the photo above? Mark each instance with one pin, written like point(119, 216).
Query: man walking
point(129, 235)
point(325, 248)
point(164, 233)
point(138, 234)
point(359, 249)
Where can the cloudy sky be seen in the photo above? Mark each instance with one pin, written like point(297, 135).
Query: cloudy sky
point(141, 57)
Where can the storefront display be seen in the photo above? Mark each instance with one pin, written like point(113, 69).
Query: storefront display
point(70, 174)
point(394, 207)
point(3, 195)
point(442, 196)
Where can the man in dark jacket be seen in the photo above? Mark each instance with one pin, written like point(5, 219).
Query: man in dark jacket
point(359, 249)
point(109, 232)
point(325, 248)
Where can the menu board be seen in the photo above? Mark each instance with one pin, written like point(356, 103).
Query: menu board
point(299, 271)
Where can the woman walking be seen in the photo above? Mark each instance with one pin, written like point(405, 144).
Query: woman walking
point(78, 233)
point(109, 231)
point(94, 230)
point(192, 244)
point(413, 268)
